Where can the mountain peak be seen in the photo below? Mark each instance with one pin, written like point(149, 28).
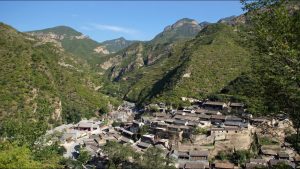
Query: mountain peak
point(115, 45)
point(60, 30)
point(182, 22)
point(121, 38)
point(182, 29)
point(226, 19)
point(205, 23)
point(187, 20)
point(233, 20)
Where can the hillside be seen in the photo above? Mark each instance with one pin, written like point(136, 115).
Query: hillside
point(78, 44)
point(143, 54)
point(116, 45)
point(42, 84)
point(195, 68)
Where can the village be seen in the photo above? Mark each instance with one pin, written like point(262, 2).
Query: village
point(194, 136)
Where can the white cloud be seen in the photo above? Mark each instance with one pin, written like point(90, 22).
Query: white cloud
point(113, 28)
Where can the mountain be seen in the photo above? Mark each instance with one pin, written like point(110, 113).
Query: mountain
point(142, 54)
point(80, 45)
point(183, 29)
point(192, 68)
point(205, 23)
point(117, 44)
point(42, 84)
point(234, 20)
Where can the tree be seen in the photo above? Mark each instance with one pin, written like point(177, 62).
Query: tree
point(281, 166)
point(12, 156)
point(119, 154)
point(275, 31)
point(143, 130)
point(153, 158)
point(83, 157)
point(103, 110)
point(71, 115)
point(15, 156)
point(241, 156)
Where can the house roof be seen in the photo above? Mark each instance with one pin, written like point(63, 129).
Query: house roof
point(212, 103)
point(196, 165)
point(191, 115)
point(275, 162)
point(199, 153)
point(192, 123)
point(283, 154)
point(182, 122)
point(268, 151)
point(160, 146)
point(85, 124)
point(224, 165)
point(226, 128)
point(92, 150)
point(89, 141)
point(157, 114)
point(116, 135)
point(258, 120)
point(233, 118)
point(237, 104)
point(201, 111)
point(253, 165)
point(217, 129)
point(230, 128)
point(179, 117)
point(181, 165)
point(126, 131)
point(169, 120)
point(218, 117)
point(143, 145)
point(204, 116)
point(125, 139)
point(182, 154)
point(213, 112)
point(258, 161)
point(95, 136)
point(232, 123)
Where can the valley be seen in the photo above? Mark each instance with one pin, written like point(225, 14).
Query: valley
point(197, 95)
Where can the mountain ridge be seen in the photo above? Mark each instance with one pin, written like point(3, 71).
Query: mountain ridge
point(81, 45)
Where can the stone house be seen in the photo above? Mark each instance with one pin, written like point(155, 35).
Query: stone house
point(223, 165)
point(212, 105)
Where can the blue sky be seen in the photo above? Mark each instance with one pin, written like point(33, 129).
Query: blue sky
point(139, 20)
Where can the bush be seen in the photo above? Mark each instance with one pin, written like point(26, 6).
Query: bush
point(267, 141)
point(293, 140)
point(198, 130)
point(116, 123)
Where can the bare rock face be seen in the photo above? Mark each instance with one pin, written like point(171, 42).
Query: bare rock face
point(57, 110)
point(111, 62)
point(79, 37)
point(187, 75)
point(137, 62)
point(101, 49)
point(48, 37)
point(153, 56)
